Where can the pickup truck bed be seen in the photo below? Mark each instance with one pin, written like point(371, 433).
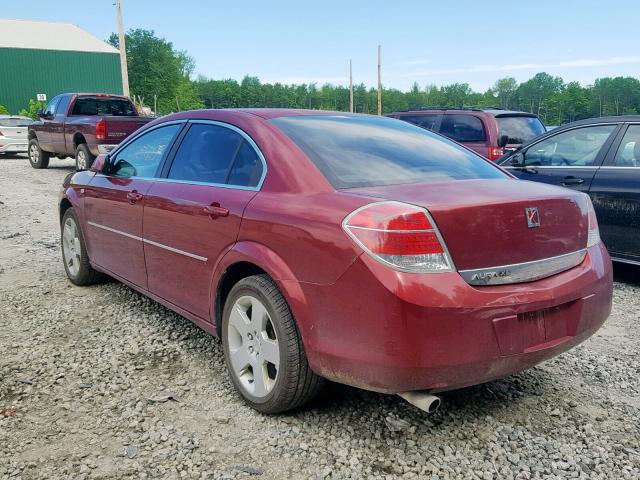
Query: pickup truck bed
point(81, 126)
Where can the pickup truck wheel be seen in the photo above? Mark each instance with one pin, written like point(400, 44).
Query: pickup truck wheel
point(74, 252)
point(84, 158)
point(263, 349)
point(37, 157)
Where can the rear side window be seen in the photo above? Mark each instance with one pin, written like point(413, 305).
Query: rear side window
point(519, 129)
point(367, 151)
point(215, 154)
point(628, 154)
point(143, 155)
point(105, 106)
point(430, 122)
point(463, 128)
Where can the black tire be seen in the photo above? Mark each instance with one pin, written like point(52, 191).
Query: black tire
point(84, 158)
point(85, 274)
point(38, 158)
point(295, 383)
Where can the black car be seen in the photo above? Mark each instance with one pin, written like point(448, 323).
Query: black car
point(598, 156)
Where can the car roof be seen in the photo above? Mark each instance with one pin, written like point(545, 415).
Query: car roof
point(494, 111)
point(264, 113)
point(598, 120)
point(268, 113)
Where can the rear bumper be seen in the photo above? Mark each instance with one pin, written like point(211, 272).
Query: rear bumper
point(389, 331)
point(12, 145)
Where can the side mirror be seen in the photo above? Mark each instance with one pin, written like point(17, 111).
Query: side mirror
point(517, 160)
point(99, 163)
point(503, 140)
point(40, 113)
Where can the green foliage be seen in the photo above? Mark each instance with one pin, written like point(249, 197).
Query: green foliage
point(155, 68)
point(3, 110)
point(32, 110)
point(544, 94)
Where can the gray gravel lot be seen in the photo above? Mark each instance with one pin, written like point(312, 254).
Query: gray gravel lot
point(108, 384)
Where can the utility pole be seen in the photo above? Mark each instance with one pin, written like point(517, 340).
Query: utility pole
point(350, 87)
point(123, 50)
point(379, 85)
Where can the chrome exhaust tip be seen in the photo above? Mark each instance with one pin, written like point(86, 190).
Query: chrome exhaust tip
point(423, 400)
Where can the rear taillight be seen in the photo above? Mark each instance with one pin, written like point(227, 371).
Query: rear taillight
point(495, 153)
point(399, 235)
point(593, 238)
point(101, 130)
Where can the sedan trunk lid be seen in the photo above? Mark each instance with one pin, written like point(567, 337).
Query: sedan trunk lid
point(498, 222)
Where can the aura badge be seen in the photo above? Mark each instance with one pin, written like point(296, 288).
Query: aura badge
point(533, 217)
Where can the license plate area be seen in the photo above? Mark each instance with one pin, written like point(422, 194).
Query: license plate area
point(531, 331)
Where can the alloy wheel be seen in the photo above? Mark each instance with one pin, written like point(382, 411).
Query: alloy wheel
point(81, 160)
point(34, 154)
point(71, 248)
point(254, 352)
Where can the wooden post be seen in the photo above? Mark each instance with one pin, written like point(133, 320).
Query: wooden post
point(123, 50)
point(379, 85)
point(350, 87)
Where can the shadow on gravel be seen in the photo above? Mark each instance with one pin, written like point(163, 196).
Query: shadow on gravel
point(12, 156)
point(623, 272)
point(473, 403)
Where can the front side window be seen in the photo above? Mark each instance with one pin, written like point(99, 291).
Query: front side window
point(63, 105)
point(573, 148)
point(216, 154)
point(429, 121)
point(368, 151)
point(142, 156)
point(50, 109)
point(463, 128)
point(628, 154)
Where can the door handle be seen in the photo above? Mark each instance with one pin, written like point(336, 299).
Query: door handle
point(134, 196)
point(215, 210)
point(572, 181)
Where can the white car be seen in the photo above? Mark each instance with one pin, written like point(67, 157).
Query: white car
point(13, 133)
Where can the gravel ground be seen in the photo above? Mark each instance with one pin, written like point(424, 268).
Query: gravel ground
point(101, 382)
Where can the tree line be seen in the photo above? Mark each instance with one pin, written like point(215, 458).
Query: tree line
point(160, 74)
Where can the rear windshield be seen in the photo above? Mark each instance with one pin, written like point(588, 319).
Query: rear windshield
point(116, 107)
point(15, 122)
point(519, 129)
point(367, 151)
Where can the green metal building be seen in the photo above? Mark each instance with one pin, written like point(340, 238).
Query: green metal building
point(51, 58)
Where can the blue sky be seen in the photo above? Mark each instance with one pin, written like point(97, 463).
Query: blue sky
point(425, 42)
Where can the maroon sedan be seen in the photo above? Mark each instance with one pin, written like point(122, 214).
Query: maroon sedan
point(360, 249)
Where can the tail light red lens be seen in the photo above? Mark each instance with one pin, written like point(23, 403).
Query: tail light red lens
point(593, 238)
point(101, 130)
point(399, 235)
point(495, 153)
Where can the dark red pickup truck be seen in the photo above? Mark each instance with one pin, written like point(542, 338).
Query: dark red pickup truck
point(81, 125)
